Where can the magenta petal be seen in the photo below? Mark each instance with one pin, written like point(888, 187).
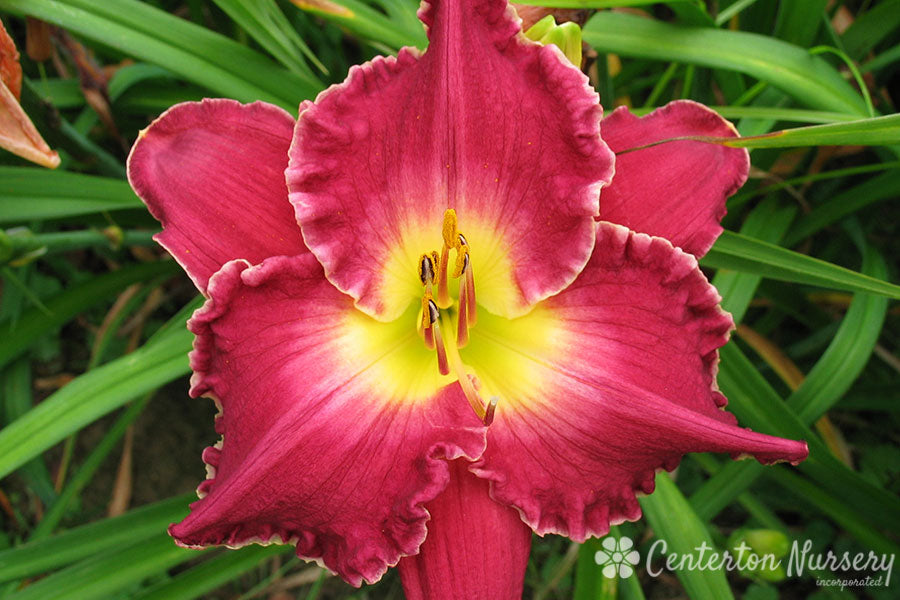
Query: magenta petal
point(476, 548)
point(676, 190)
point(316, 449)
point(628, 388)
point(502, 130)
point(212, 173)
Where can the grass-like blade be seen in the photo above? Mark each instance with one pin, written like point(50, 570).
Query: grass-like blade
point(15, 383)
point(265, 22)
point(212, 573)
point(81, 542)
point(92, 395)
point(28, 193)
point(28, 329)
point(366, 22)
point(808, 79)
point(883, 187)
point(154, 36)
point(101, 575)
point(848, 353)
point(840, 366)
point(737, 252)
point(759, 407)
point(767, 222)
point(878, 131)
point(675, 522)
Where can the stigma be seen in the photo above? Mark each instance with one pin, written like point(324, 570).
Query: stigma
point(440, 310)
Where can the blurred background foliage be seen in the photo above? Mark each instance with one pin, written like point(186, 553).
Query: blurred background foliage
point(100, 448)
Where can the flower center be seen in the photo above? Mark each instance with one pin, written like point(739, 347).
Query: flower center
point(434, 269)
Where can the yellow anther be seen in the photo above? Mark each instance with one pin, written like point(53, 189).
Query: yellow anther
point(449, 232)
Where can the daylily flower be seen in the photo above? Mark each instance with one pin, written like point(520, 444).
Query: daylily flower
point(450, 348)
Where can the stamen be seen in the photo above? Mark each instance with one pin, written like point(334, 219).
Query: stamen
point(462, 261)
point(471, 309)
point(443, 289)
point(436, 267)
point(450, 235)
point(435, 328)
point(443, 366)
point(428, 336)
point(471, 305)
point(426, 270)
point(462, 321)
point(449, 231)
point(425, 325)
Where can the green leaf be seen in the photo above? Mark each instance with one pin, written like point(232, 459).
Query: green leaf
point(809, 79)
point(155, 36)
point(265, 22)
point(879, 131)
point(368, 23)
point(28, 329)
point(86, 471)
point(870, 27)
point(767, 222)
point(93, 395)
point(62, 93)
point(848, 353)
point(102, 575)
point(28, 193)
point(797, 115)
point(212, 573)
point(883, 187)
point(106, 536)
point(759, 407)
point(799, 22)
point(603, 3)
point(591, 584)
point(737, 252)
point(17, 400)
point(824, 386)
point(675, 523)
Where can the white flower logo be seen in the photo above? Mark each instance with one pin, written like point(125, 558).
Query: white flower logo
point(618, 557)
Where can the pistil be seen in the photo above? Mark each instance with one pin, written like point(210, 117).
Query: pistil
point(485, 412)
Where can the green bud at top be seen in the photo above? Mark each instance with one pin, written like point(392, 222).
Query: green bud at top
point(566, 37)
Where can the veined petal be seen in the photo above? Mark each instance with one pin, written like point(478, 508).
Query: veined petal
point(212, 173)
point(502, 130)
point(614, 379)
point(675, 190)
point(476, 548)
point(326, 442)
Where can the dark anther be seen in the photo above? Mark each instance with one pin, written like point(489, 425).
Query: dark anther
point(426, 270)
point(433, 311)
